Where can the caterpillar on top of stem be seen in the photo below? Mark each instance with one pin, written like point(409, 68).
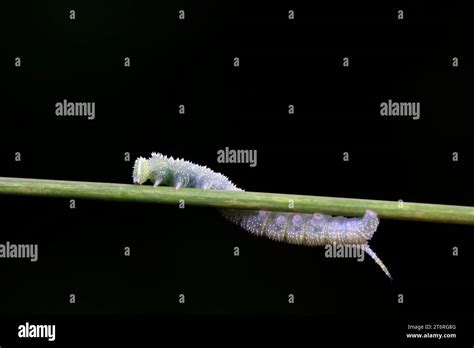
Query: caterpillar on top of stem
point(295, 228)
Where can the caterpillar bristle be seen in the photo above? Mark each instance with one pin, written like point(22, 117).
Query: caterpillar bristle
point(377, 260)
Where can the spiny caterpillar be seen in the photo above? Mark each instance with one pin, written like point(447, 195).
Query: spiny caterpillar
point(295, 228)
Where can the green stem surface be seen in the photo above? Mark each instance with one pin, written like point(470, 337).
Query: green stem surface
point(237, 200)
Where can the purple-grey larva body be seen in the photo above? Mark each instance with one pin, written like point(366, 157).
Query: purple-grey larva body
point(295, 228)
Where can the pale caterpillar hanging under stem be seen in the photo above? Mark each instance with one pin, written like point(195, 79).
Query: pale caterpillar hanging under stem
point(295, 228)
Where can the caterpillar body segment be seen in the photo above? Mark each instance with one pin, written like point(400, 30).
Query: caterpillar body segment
point(294, 228)
point(308, 229)
point(167, 171)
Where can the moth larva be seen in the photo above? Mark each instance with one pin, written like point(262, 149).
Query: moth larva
point(295, 228)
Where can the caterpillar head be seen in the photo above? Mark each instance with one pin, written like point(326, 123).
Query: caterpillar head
point(141, 171)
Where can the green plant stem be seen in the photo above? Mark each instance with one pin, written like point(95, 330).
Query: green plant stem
point(237, 200)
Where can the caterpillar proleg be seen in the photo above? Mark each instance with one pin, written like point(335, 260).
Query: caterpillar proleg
point(295, 228)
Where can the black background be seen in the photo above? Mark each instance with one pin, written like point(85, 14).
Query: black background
point(235, 299)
